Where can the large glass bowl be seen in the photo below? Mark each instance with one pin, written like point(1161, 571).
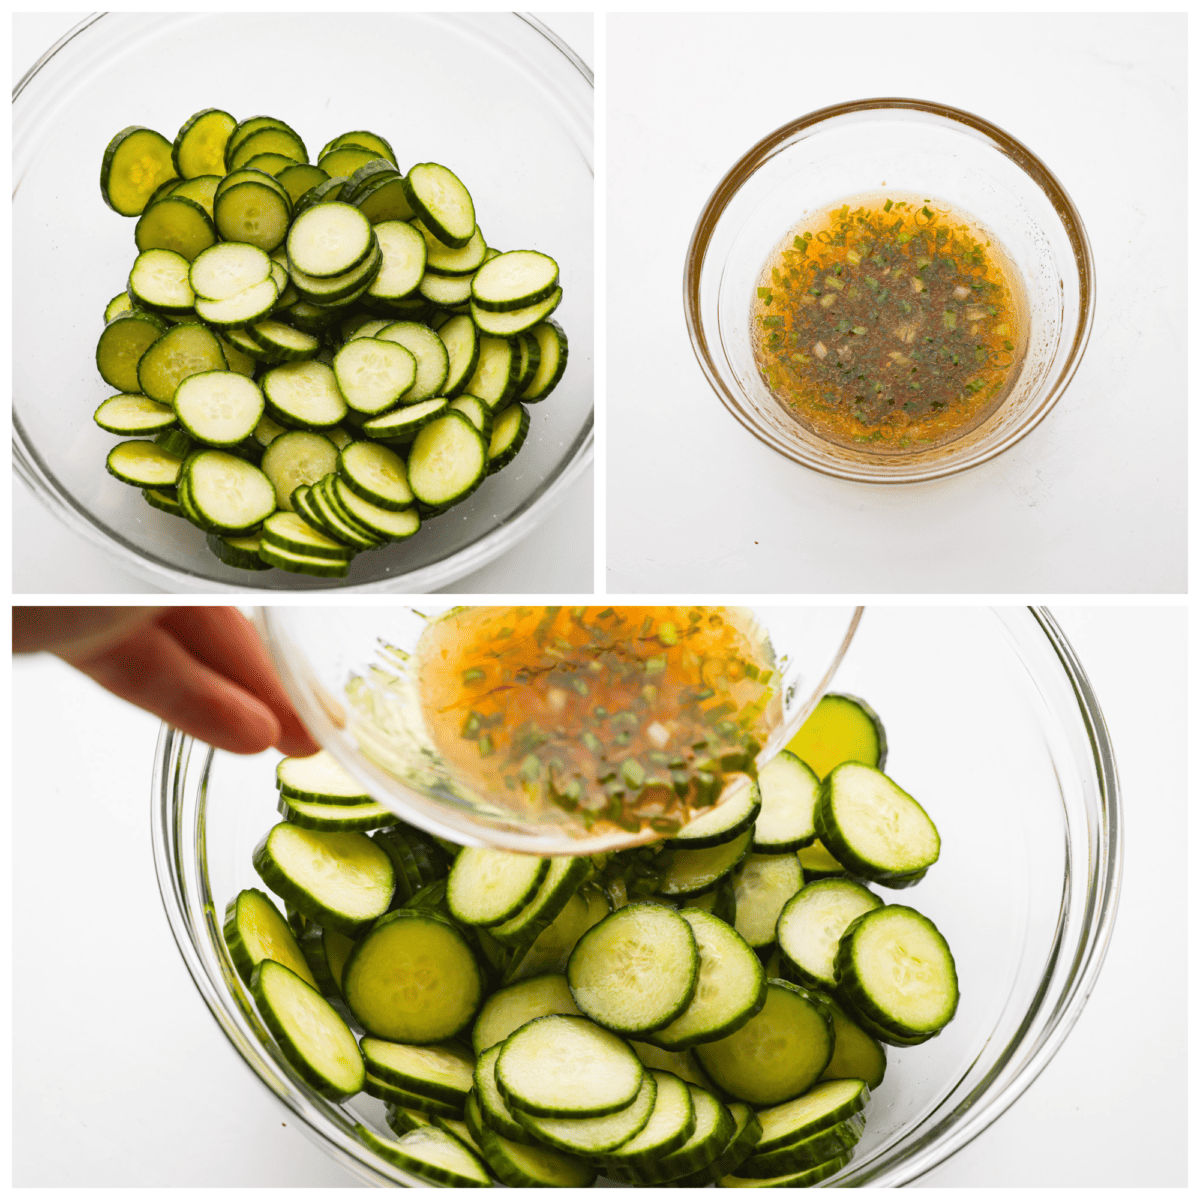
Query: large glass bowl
point(516, 125)
point(381, 736)
point(903, 146)
point(991, 723)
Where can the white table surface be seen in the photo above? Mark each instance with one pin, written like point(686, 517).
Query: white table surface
point(123, 1079)
point(48, 558)
point(1086, 502)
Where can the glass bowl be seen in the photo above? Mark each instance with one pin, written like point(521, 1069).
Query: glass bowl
point(381, 738)
point(991, 724)
point(518, 116)
point(901, 146)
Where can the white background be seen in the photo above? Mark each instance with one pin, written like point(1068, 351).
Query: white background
point(1093, 500)
point(123, 1079)
point(49, 558)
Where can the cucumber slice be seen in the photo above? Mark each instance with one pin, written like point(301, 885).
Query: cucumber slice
point(494, 1112)
point(671, 1123)
point(477, 412)
point(841, 729)
point(270, 140)
point(199, 147)
point(431, 1153)
point(240, 552)
point(746, 1132)
point(731, 987)
point(300, 178)
point(509, 430)
point(250, 175)
point(400, 1097)
point(534, 1165)
point(856, 1054)
point(286, 531)
point(342, 881)
point(228, 269)
point(323, 193)
point(442, 203)
point(364, 139)
point(304, 395)
point(297, 458)
point(400, 1120)
point(243, 309)
point(252, 125)
point(143, 464)
point(326, 951)
point(413, 977)
point(282, 342)
point(382, 198)
point(560, 1066)
point(462, 342)
point(381, 523)
point(329, 240)
point(814, 1150)
point(824, 1106)
point(133, 414)
point(339, 290)
point(778, 1054)
point(333, 818)
point(373, 374)
point(165, 500)
point(229, 494)
point(487, 887)
point(446, 291)
point(251, 212)
point(636, 970)
point(789, 792)
point(531, 356)
point(346, 160)
point(136, 162)
point(714, 1126)
point(818, 863)
point(125, 339)
point(721, 824)
point(517, 279)
point(403, 251)
point(311, 1035)
point(217, 407)
point(119, 304)
point(183, 351)
point(175, 223)
point(376, 474)
point(256, 930)
point(812, 923)
point(448, 460)
point(689, 872)
point(594, 1135)
point(552, 361)
point(442, 1072)
point(552, 949)
point(762, 885)
point(271, 163)
point(895, 971)
point(509, 324)
point(202, 189)
point(433, 363)
point(495, 378)
point(809, 1178)
point(511, 1007)
point(676, 1062)
point(159, 281)
point(561, 882)
point(874, 827)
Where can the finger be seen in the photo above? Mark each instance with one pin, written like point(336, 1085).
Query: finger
point(152, 670)
point(81, 628)
point(228, 643)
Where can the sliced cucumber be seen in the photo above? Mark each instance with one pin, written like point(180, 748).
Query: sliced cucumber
point(125, 339)
point(428, 349)
point(671, 1123)
point(496, 372)
point(199, 147)
point(217, 407)
point(812, 923)
point(856, 1054)
point(403, 251)
point(255, 930)
point(413, 978)
point(376, 474)
point(282, 342)
point(311, 1035)
point(807, 1178)
point(175, 223)
point(183, 351)
point(594, 1135)
point(688, 872)
point(400, 1097)
point(442, 1071)
point(730, 990)
point(477, 412)
point(552, 949)
point(494, 1112)
point(676, 1062)
point(253, 304)
point(165, 500)
point(442, 203)
point(400, 1120)
point(118, 305)
point(301, 178)
point(296, 458)
point(329, 240)
point(762, 885)
point(442, 260)
point(874, 827)
point(487, 887)
point(339, 880)
point(332, 818)
point(143, 464)
point(431, 1153)
point(818, 863)
point(448, 460)
point(714, 1125)
point(133, 414)
point(509, 324)
point(814, 1150)
point(462, 342)
point(304, 395)
point(509, 430)
point(373, 374)
point(240, 552)
point(636, 970)
point(446, 291)
point(560, 1066)
point(841, 729)
point(778, 1054)
point(229, 494)
point(243, 146)
point(511, 1007)
point(520, 1166)
point(746, 1132)
point(561, 882)
point(517, 279)
point(227, 269)
point(552, 361)
point(789, 792)
point(896, 975)
point(251, 212)
point(364, 139)
point(826, 1105)
point(381, 523)
point(159, 281)
point(136, 162)
point(721, 824)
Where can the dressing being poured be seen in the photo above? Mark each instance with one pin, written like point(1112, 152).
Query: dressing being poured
point(633, 718)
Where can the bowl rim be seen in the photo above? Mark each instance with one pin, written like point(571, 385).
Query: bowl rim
point(763, 150)
point(33, 471)
point(176, 871)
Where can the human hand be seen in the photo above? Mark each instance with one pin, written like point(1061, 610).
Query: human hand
point(202, 670)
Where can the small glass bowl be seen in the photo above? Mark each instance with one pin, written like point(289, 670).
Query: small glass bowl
point(905, 146)
point(991, 723)
point(519, 114)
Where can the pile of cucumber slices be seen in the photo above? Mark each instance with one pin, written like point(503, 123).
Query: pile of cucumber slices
point(310, 360)
point(679, 1015)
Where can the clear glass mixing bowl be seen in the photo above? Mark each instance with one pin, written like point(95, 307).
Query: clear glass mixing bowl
point(991, 723)
point(865, 147)
point(382, 739)
point(516, 125)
